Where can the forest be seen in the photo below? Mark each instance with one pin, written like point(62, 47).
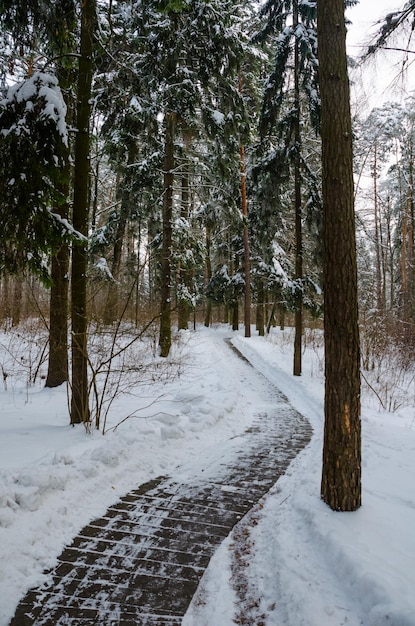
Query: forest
point(162, 167)
point(207, 284)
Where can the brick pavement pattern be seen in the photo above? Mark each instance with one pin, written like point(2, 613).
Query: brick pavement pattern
point(140, 564)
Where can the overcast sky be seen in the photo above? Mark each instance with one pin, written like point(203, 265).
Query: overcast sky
point(363, 16)
point(381, 79)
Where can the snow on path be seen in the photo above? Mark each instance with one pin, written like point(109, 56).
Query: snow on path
point(319, 568)
point(144, 557)
point(54, 478)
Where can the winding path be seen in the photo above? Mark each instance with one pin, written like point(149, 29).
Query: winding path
point(141, 563)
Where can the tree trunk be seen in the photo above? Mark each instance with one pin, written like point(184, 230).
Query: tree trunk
point(341, 476)
point(165, 305)
point(79, 401)
point(17, 299)
point(58, 369)
point(271, 317)
point(247, 270)
point(208, 311)
point(235, 315)
point(247, 302)
point(5, 297)
point(378, 242)
point(298, 335)
point(111, 310)
point(260, 309)
point(58, 319)
point(184, 273)
point(410, 244)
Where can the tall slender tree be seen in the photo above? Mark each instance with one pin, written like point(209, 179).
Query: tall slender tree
point(79, 382)
point(341, 475)
point(292, 28)
point(166, 260)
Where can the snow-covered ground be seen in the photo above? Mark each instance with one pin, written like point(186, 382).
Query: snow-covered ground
point(301, 563)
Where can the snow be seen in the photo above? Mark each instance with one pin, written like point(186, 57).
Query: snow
point(218, 118)
point(40, 86)
point(305, 564)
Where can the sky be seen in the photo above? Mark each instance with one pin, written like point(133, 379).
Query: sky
point(380, 80)
point(365, 14)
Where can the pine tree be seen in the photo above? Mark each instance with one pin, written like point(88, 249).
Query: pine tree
point(341, 476)
point(79, 382)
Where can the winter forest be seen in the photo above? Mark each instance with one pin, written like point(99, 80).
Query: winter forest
point(166, 166)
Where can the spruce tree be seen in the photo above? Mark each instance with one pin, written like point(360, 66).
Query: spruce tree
point(184, 63)
point(50, 27)
point(34, 141)
point(293, 29)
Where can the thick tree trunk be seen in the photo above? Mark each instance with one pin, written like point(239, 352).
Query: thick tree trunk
point(79, 401)
point(165, 296)
point(341, 476)
point(5, 298)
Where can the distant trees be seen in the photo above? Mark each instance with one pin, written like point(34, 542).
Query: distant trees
point(291, 104)
point(386, 138)
point(384, 150)
point(184, 66)
point(183, 146)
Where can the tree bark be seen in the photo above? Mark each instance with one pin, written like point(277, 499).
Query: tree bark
point(298, 323)
point(79, 400)
point(58, 319)
point(235, 315)
point(58, 368)
point(165, 304)
point(208, 311)
point(111, 311)
point(247, 265)
point(17, 299)
point(247, 270)
point(184, 273)
point(260, 309)
point(341, 476)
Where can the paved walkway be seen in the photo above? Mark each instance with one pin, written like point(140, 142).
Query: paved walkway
point(141, 563)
